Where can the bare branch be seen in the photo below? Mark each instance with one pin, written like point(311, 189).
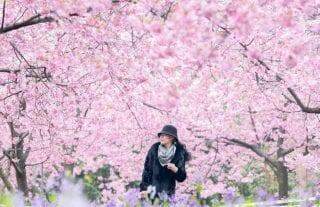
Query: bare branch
point(25, 155)
point(19, 54)
point(261, 62)
point(36, 19)
point(13, 94)
point(245, 46)
point(19, 17)
point(16, 167)
point(166, 13)
point(39, 163)
point(7, 70)
point(301, 105)
point(156, 108)
point(12, 130)
point(286, 152)
point(253, 148)
point(133, 114)
point(253, 123)
point(3, 13)
point(224, 29)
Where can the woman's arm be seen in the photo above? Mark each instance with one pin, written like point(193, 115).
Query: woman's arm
point(147, 172)
point(181, 174)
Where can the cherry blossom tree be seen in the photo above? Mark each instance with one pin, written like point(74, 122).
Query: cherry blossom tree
point(93, 82)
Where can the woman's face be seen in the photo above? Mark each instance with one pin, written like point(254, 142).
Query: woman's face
point(166, 139)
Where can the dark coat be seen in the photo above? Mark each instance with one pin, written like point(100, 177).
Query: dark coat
point(161, 177)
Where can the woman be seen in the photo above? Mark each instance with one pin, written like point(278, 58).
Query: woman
point(165, 163)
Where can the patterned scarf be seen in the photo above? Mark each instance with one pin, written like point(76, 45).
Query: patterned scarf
point(165, 155)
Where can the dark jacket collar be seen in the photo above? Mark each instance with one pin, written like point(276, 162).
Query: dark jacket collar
point(178, 151)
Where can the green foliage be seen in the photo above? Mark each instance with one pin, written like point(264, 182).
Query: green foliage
point(91, 182)
point(133, 184)
point(104, 171)
point(260, 180)
point(6, 200)
point(91, 191)
point(52, 197)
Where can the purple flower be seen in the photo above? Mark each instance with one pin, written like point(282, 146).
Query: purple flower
point(132, 197)
point(40, 202)
point(230, 194)
point(111, 203)
point(18, 200)
point(262, 194)
point(172, 199)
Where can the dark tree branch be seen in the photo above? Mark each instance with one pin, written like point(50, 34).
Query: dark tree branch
point(16, 167)
point(13, 94)
point(3, 14)
point(304, 108)
point(156, 108)
point(261, 62)
point(22, 136)
point(38, 72)
point(245, 46)
point(253, 124)
point(166, 13)
point(19, 17)
point(12, 130)
point(153, 12)
point(36, 19)
point(133, 114)
point(163, 15)
point(39, 163)
point(286, 152)
point(255, 149)
point(19, 54)
point(224, 29)
point(25, 155)
point(7, 70)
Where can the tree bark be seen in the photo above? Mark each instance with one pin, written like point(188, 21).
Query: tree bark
point(22, 181)
point(18, 156)
point(282, 178)
point(21, 175)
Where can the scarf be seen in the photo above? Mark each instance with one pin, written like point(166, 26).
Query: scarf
point(165, 155)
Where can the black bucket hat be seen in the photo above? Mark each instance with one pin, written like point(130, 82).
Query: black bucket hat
point(169, 130)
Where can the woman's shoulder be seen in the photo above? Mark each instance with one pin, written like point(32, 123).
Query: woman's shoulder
point(154, 147)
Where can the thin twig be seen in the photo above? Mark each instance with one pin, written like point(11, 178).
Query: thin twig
point(38, 163)
point(156, 108)
point(16, 93)
point(253, 123)
point(133, 114)
point(19, 54)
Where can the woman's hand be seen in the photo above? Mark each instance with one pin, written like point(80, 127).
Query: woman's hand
point(172, 167)
point(144, 194)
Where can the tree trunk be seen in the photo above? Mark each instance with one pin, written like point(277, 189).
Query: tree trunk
point(282, 178)
point(21, 174)
point(22, 181)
